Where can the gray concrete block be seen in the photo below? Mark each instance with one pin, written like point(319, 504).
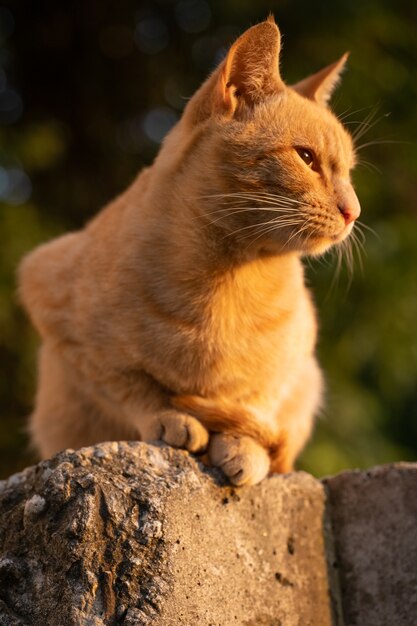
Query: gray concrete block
point(132, 534)
point(374, 521)
point(126, 533)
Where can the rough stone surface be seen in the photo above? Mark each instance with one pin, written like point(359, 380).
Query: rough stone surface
point(125, 533)
point(252, 557)
point(374, 520)
point(131, 534)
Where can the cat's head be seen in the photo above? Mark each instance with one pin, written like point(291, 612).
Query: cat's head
point(273, 160)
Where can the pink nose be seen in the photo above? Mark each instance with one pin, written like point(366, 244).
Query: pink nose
point(347, 202)
point(350, 213)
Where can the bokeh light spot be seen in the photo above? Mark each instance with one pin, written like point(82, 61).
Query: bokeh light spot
point(193, 16)
point(158, 122)
point(11, 106)
point(15, 186)
point(173, 94)
point(4, 182)
point(151, 35)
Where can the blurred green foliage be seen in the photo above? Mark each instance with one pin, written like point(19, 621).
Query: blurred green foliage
point(87, 89)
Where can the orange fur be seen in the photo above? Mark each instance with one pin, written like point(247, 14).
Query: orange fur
point(218, 419)
point(180, 312)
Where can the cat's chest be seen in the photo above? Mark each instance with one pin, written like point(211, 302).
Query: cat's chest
point(251, 330)
point(240, 349)
point(264, 313)
point(264, 338)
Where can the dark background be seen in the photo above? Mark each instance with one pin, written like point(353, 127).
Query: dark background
point(88, 90)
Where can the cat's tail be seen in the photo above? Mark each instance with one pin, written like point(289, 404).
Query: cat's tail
point(225, 419)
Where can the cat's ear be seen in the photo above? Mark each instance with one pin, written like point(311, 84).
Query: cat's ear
point(320, 86)
point(250, 72)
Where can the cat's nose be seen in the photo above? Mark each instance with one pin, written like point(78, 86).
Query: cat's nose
point(350, 213)
point(348, 203)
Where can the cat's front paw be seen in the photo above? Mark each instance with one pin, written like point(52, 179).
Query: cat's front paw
point(242, 459)
point(182, 431)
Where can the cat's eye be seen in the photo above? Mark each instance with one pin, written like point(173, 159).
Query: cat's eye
point(307, 156)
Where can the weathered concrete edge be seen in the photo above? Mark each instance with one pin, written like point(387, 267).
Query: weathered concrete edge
point(335, 482)
point(159, 467)
point(329, 534)
point(190, 470)
point(335, 588)
point(373, 514)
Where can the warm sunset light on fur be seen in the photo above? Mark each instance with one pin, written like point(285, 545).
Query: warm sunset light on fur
point(180, 312)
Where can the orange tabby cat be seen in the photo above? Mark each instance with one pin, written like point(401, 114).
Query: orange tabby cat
point(180, 312)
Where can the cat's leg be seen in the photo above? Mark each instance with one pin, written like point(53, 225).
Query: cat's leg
point(84, 397)
point(247, 462)
point(65, 416)
point(242, 459)
point(296, 417)
point(176, 429)
point(239, 444)
point(72, 412)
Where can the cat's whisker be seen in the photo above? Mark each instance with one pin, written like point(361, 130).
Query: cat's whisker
point(378, 142)
point(273, 208)
point(344, 248)
point(263, 232)
point(368, 165)
point(274, 223)
point(352, 122)
point(350, 259)
point(272, 196)
point(351, 250)
point(345, 114)
point(281, 212)
point(245, 199)
point(256, 196)
point(368, 123)
point(310, 264)
point(348, 113)
point(298, 232)
point(232, 210)
point(360, 225)
point(338, 251)
point(358, 246)
point(358, 235)
point(363, 128)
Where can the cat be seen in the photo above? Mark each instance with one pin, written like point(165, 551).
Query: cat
point(180, 312)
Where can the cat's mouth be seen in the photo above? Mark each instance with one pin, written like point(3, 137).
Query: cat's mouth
point(347, 229)
point(319, 244)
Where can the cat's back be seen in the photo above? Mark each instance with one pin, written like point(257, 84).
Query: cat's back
point(47, 276)
point(49, 273)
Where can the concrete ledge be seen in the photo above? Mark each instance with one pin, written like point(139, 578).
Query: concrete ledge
point(132, 534)
point(374, 522)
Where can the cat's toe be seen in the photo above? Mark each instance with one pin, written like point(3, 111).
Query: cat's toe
point(242, 459)
point(183, 431)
